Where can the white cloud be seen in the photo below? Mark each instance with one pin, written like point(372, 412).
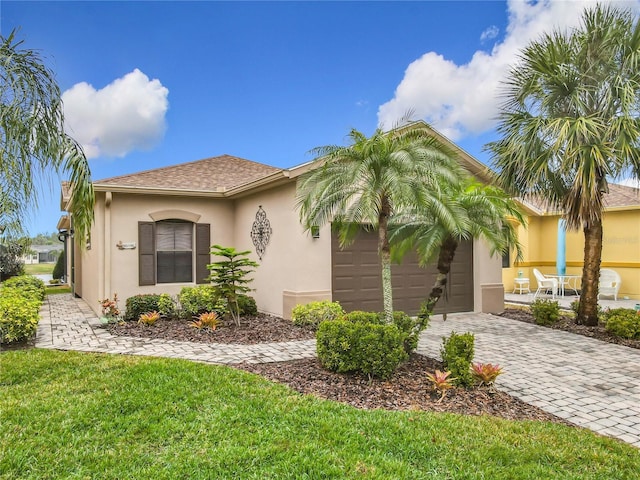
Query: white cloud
point(128, 114)
point(462, 99)
point(490, 33)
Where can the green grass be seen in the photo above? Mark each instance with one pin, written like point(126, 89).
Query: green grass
point(78, 415)
point(55, 289)
point(39, 268)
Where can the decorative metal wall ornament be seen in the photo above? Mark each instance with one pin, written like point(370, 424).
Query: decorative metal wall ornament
point(261, 232)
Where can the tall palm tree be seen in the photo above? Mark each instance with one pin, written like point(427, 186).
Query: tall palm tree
point(33, 142)
point(463, 211)
point(569, 123)
point(366, 182)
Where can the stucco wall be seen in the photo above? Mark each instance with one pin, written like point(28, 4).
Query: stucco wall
point(294, 265)
point(118, 222)
point(620, 249)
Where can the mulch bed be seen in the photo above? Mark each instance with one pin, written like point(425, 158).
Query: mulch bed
point(568, 324)
point(260, 328)
point(407, 389)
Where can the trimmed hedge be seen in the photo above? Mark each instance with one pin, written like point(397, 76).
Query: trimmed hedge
point(27, 284)
point(313, 313)
point(20, 301)
point(363, 342)
point(373, 349)
point(151, 302)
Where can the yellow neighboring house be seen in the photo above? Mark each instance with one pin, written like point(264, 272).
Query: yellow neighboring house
point(620, 247)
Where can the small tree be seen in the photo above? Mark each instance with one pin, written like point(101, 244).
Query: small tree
point(58, 269)
point(229, 276)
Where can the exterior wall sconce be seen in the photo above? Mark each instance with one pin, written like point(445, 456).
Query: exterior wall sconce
point(315, 231)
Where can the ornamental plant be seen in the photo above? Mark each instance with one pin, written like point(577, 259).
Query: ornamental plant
point(313, 313)
point(485, 373)
point(441, 382)
point(230, 276)
point(149, 318)
point(457, 354)
point(545, 312)
point(208, 320)
point(110, 308)
point(623, 322)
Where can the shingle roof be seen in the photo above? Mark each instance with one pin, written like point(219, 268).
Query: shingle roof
point(619, 196)
point(210, 174)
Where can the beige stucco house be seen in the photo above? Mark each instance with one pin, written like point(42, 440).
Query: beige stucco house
point(153, 230)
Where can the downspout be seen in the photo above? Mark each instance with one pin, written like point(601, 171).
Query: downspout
point(107, 245)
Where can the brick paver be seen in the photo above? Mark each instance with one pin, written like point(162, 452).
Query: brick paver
point(592, 384)
point(588, 382)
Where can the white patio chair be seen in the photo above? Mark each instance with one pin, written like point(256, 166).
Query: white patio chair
point(545, 284)
point(609, 283)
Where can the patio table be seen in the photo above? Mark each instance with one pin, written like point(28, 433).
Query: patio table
point(565, 280)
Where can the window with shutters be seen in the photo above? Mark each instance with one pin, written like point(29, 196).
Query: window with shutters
point(174, 251)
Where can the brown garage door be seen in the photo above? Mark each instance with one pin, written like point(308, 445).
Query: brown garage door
point(356, 280)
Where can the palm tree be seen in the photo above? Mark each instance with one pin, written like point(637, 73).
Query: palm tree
point(366, 182)
point(32, 140)
point(463, 211)
point(570, 122)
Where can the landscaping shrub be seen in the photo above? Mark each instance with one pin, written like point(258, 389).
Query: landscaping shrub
point(166, 305)
point(139, 304)
point(27, 284)
point(58, 269)
point(200, 299)
point(19, 312)
point(313, 313)
point(247, 305)
point(622, 322)
point(457, 354)
point(371, 348)
point(545, 312)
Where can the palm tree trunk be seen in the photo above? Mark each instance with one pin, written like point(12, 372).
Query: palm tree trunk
point(588, 310)
point(445, 258)
point(384, 251)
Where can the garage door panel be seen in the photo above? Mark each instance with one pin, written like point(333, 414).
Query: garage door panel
point(357, 284)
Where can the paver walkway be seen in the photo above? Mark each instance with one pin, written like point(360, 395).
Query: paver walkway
point(591, 383)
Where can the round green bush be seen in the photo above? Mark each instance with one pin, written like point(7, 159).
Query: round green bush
point(370, 348)
point(313, 313)
point(457, 354)
point(623, 322)
point(545, 312)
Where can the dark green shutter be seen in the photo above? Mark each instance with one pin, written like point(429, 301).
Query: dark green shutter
point(203, 249)
point(146, 253)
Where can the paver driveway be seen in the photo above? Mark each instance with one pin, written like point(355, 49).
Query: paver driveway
point(588, 382)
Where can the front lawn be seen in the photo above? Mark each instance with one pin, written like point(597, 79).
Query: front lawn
point(77, 415)
point(39, 268)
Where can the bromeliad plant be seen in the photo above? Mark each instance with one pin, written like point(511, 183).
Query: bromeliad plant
point(149, 318)
point(441, 382)
point(209, 320)
point(485, 373)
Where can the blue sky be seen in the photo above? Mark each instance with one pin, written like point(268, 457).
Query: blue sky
point(151, 84)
